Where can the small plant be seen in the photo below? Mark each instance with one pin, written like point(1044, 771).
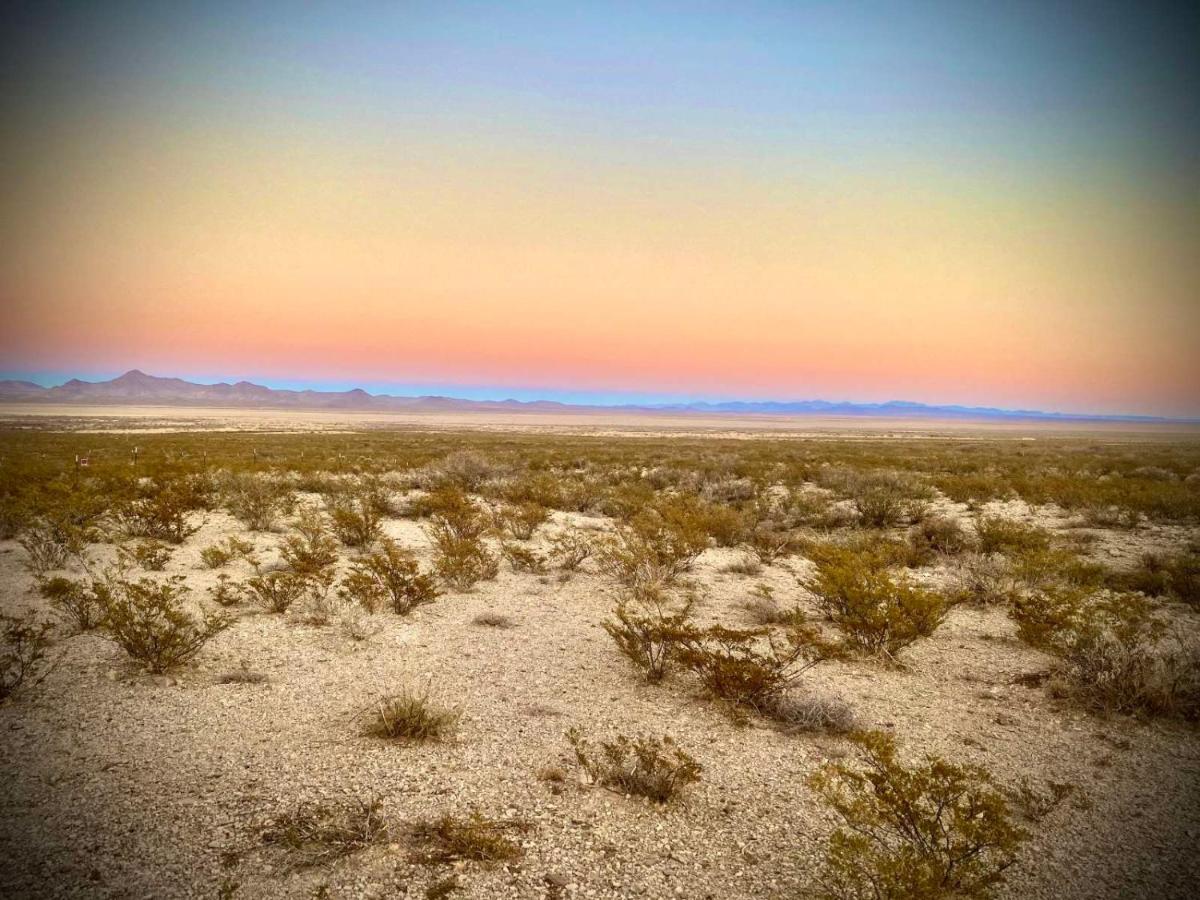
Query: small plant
point(150, 555)
point(936, 830)
point(493, 620)
point(763, 609)
point(277, 590)
point(879, 615)
point(936, 536)
point(147, 620)
point(999, 535)
point(647, 631)
point(160, 511)
point(812, 712)
point(23, 644)
point(218, 555)
point(321, 833)
point(412, 716)
point(388, 577)
point(655, 768)
point(569, 550)
point(769, 544)
point(356, 519)
point(746, 564)
point(73, 600)
point(225, 592)
point(521, 520)
point(986, 580)
point(476, 838)
point(523, 559)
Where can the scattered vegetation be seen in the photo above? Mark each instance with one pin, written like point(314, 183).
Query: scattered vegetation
point(928, 831)
point(23, 659)
point(647, 628)
point(389, 577)
point(413, 716)
point(318, 834)
point(654, 768)
point(474, 838)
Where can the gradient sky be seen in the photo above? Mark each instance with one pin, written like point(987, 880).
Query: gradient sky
point(982, 203)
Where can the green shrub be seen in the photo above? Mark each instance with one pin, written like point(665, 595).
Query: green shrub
point(147, 620)
point(312, 551)
point(913, 833)
point(1175, 576)
point(23, 662)
point(878, 614)
point(936, 536)
point(884, 499)
point(654, 768)
point(276, 591)
point(388, 577)
point(647, 631)
point(356, 519)
point(160, 510)
point(999, 535)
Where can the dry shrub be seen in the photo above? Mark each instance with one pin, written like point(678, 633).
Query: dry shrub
point(812, 712)
point(1115, 655)
point(523, 559)
point(412, 716)
point(569, 550)
point(1174, 576)
point(257, 501)
point(147, 620)
point(938, 536)
point(456, 531)
point(654, 768)
point(913, 833)
point(997, 534)
point(768, 544)
point(47, 546)
point(321, 833)
point(878, 614)
point(277, 590)
point(312, 551)
point(647, 628)
point(520, 520)
point(225, 592)
point(493, 620)
point(651, 550)
point(750, 668)
point(23, 662)
point(986, 579)
point(884, 499)
point(476, 838)
point(75, 602)
point(388, 577)
point(356, 518)
point(160, 511)
point(150, 555)
point(219, 555)
point(744, 564)
point(464, 469)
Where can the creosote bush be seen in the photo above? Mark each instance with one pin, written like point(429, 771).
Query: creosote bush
point(654, 768)
point(456, 530)
point(219, 555)
point(1175, 576)
point(413, 716)
point(570, 549)
point(150, 555)
point(474, 838)
point(23, 661)
point(647, 627)
point(75, 602)
point(524, 559)
point(879, 615)
point(276, 591)
point(997, 534)
point(259, 502)
point(356, 518)
point(147, 620)
point(47, 546)
point(913, 832)
point(520, 520)
point(388, 577)
point(321, 833)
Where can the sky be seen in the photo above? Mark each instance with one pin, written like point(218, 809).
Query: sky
point(950, 202)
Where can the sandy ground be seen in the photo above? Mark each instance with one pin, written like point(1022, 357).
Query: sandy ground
point(123, 785)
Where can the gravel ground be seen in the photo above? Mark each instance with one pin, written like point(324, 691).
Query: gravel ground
point(123, 785)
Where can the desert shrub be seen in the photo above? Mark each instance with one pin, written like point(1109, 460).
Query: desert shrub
point(744, 564)
point(523, 559)
point(389, 576)
point(879, 615)
point(1174, 576)
point(521, 520)
point(646, 628)
point(147, 620)
point(884, 499)
point(465, 469)
point(936, 536)
point(150, 555)
point(312, 551)
point(654, 768)
point(986, 579)
point(461, 562)
point(1115, 655)
point(258, 502)
point(475, 838)
point(762, 608)
point(569, 550)
point(23, 659)
point(47, 546)
point(356, 519)
point(652, 550)
point(75, 602)
point(277, 590)
point(225, 592)
point(769, 544)
point(913, 832)
point(997, 534)
point(217, 555)
point(413, 716)
point(160, 510)
point(753, 667)
point(493, 620)
point(321, 833)
point(811, 712)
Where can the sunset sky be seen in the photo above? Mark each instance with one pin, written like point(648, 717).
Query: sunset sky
point(949, 202)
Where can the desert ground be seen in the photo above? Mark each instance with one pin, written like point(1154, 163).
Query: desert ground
point(127, 779)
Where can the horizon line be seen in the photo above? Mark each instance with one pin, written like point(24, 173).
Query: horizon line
point(583, 398)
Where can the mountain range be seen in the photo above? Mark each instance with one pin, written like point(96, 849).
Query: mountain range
point(136, 388)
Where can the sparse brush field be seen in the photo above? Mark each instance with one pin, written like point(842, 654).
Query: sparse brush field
point(501, 664)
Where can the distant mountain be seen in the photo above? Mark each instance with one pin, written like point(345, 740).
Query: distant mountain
point(136, 388)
